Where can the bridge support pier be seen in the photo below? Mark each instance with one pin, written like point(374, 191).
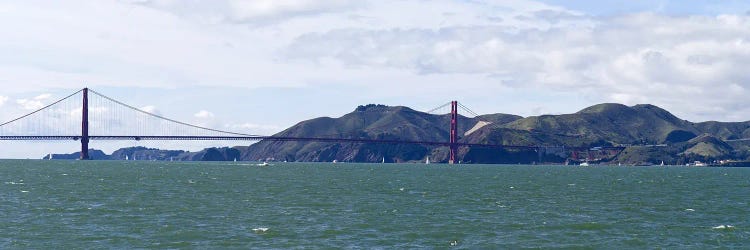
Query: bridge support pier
point(85, 126)
point(454, 132)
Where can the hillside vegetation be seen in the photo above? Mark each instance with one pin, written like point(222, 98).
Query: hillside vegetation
point(652, 134)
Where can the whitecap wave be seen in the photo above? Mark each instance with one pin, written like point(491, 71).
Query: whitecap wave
point(725, 227)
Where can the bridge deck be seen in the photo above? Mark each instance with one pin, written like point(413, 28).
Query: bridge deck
point(274, 138)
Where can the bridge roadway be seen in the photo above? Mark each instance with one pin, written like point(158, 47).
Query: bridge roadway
point(279, 138)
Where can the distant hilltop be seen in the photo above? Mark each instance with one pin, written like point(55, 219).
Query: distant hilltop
point(652, 135)
point(153, 154)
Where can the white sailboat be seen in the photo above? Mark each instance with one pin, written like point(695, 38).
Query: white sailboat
point(126, 157)
point(383, 160)
point(427, 161)
point(50, 156)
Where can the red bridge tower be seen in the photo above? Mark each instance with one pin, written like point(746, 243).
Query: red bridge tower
point(85, 126)
point(454, 132)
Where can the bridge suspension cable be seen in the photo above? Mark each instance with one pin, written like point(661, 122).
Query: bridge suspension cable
point(38, 110)
point(438, 108)
point(56, 118)
point(467, 110)
point(107, 118)
point(168, 119)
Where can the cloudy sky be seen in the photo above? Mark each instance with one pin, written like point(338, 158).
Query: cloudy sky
point(258, 66)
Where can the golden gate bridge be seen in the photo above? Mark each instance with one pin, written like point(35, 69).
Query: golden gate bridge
point(87, 115)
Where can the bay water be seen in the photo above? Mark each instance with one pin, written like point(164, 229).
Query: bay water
point(143, 204)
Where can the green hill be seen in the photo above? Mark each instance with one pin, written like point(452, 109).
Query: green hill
point(608, 124)
point(654, 134)
point(367, 122)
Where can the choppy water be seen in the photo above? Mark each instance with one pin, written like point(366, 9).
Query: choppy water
point(73, 204)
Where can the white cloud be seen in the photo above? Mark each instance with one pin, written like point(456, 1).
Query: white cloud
point(669, 61)
point(248, 10)
point(151, 109)
point(76, 112)
point(682, 63)
point(42, 97)
point(3, 99)
point(254, 128)
point(30, 104)
point(251, 12)
point(203, 114)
